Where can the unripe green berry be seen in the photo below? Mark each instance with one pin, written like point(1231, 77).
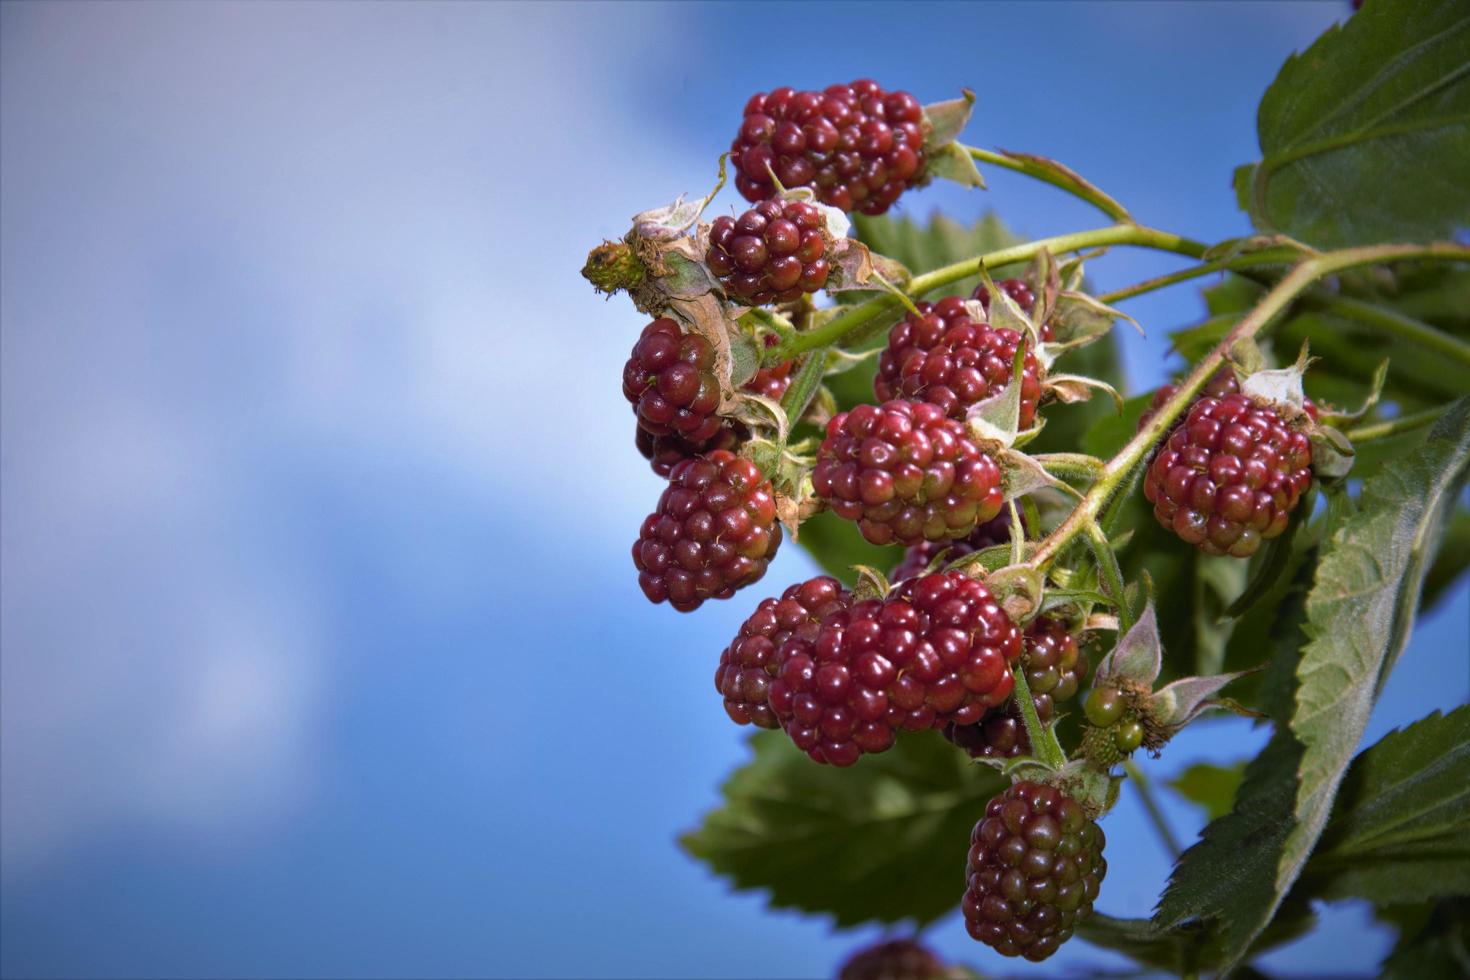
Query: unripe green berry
point(1104, 706)
point(1128, 736)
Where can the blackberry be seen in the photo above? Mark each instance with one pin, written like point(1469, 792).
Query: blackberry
point(896, 959)
point(937, 649)
point(713, 532)
point(670, 381)
point(777, 629)
point(857, 146)
point(1025, 297)
point(772, 253)
point(946, 357)
point(1034, 869)
point(1054, 669)
point(906, 474)
point(1221, 383)
point(1229, 475)
point(772, 380)
point(665, 452)
point(916, 558)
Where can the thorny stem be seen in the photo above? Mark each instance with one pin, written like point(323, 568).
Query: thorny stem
point(1057, 176)
point(1270, 306)
point(1044, 744)
point(839, 326)
point(1151, 807)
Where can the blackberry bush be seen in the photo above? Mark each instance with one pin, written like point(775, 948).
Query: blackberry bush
point(906, 474)
point(857, 146)
point(714, 531)
point(1034, 870)
point(884, 405)
point(945, 357)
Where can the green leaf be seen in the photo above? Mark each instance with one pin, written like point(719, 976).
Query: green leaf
point(873, 843)
point(1365, 134)
point(1209, 786)
point(1436, 946)
point(1359, 615)
point(1397, 832)
point(1188, 949)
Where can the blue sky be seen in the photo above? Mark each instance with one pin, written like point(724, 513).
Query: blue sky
point(322, 653)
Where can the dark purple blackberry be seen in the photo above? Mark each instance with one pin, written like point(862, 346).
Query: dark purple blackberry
point(948, 358)
point(1034, 869)
point(714, 531)
point(937, 649)
point(665, 452)
point(1054, 667)
point(1229, 475)
point(916, 557)
point(906, 474)
point(772, 253)
point(670, 381)
point(856, 146)
point(896, 959)
point(777, 629)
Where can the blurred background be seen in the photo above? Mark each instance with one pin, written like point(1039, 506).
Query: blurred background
point(322, 651)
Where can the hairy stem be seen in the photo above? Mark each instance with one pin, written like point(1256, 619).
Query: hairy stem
point(1111, 575)
point(1270, 306)
point(1044, 744)
point(1057, 176)
point(841, 325)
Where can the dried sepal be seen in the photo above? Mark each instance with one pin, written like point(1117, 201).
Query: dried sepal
point(1138, 656)
point(1072, 388)
point(871, 584)
point(944, 121)
point(1019, 590)
point(952, 162)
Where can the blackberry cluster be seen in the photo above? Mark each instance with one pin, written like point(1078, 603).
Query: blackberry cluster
point(916, 558)
point(896, 959)
point(1229, 475)
point(770, 254)
point(665, 452)
point(937, 649)
point(670, 381)
point(776, 630)
point(1108, 711)
point(714, 531)
point(1034, 870)
point(906, 473)
point(946, 357)
point(857, 146)
point(1054, 669)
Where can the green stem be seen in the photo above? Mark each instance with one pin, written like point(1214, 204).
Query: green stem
point(1044, 744)
point(803, 387)
point(1151, 806)
point(1057, 176)
point(839, 326)
point(1112, 575)
point(1270, 256)
point(1270, 306)
point(1398, 325)
point(1393, 427)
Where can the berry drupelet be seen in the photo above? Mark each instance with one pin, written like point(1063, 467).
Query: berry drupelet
point(1054, 668)
point(1229, 475)
point(946, 357)
point(772, 253)
point(906, 474)
point(937, 649)
point(857, 146)
point(1034, 870)
point(896, 959)
point(714, 531)
point(776, 630)
point(670, 381)
point(665, 452)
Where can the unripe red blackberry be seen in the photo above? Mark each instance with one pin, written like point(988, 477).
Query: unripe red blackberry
point(916, 558)
point(770, 254)
point(896, 959)
point(665, 452)
point(937, 649)
point(777, 629)
point(1054, 670)
point(1223, 382)
point(670, 381)
point(714, 531)
point(1034, 869)
point(1020, 291)
point(1229, 475)
point(906, 474)
point(946, 357)
point(857, 146)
